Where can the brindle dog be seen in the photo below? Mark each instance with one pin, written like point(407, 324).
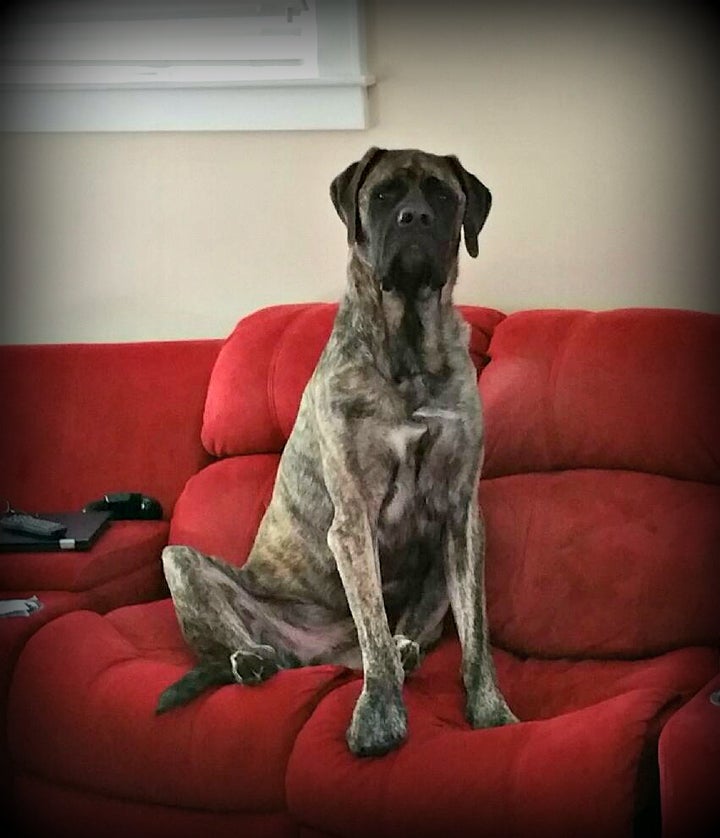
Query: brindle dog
point(373, 528)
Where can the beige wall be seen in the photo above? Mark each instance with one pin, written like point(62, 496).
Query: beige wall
point(591, 131)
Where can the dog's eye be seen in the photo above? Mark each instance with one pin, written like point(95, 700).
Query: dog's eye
point(386, 191)
point(436, 190)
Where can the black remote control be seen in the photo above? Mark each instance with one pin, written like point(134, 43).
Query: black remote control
point(30, 525)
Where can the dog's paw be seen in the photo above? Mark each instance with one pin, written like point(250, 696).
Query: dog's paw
point(379, 723)
point(254, 667)
point(410, 653)
point(491, 711)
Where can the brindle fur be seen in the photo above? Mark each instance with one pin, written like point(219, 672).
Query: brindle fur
point(373, 529)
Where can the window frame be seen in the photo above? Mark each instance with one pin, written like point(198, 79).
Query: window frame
point(335, 99)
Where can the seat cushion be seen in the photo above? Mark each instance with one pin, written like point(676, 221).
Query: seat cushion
point(570, 768)
point(15, 631)
point(67, 811)
point(81, 714)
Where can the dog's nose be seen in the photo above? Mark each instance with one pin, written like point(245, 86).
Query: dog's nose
point(415, 213)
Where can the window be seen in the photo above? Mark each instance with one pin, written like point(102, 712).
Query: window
point(154, 65)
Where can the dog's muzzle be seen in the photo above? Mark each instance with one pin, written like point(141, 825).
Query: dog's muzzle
point(411, 266)
point(411, 253)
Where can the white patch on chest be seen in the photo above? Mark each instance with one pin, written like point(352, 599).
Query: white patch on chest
point(402, 440)
point(403, 495)
point(436, 413)
point(401, 437)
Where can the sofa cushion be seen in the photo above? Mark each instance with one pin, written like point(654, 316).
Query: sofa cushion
point(122, 549)
point(81, 713)
point(220, 509)
point(627, 389)
point(263, 367)
point(604, 512)
point(569, 769)
point(14, 634)
point(599, 563)
point(689, 754)
point(259, 376)
point(74, 813)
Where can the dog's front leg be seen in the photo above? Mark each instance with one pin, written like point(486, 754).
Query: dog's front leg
point(464, 572)
point(379, 721)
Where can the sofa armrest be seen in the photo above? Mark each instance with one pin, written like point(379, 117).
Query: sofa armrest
point(689, 755)
point(122, 567)
point(80, 420)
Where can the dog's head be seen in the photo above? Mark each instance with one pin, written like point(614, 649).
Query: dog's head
point(404, 209)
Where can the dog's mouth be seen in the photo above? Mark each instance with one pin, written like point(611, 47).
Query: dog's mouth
point(411, 267)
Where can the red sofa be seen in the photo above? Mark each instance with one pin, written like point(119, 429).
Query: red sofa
point(76, 422)
point(601, 498)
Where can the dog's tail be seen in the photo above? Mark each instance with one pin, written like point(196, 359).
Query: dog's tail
point(209, 673)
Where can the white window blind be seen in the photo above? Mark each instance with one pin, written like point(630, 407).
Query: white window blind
point(183, 65)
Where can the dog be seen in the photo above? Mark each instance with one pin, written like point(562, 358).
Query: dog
point(373, 531)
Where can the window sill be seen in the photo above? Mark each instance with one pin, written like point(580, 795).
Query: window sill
point(326, 103)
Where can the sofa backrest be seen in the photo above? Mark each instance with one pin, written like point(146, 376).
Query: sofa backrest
point(263, 367)
point(80, 420)
point(601, 479)
point(630, 389)
point(601, 482)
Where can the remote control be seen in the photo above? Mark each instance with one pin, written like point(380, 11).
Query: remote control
point(30, 525)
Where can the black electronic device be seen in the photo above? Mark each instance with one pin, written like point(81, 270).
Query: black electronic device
point(127, 506)
point(60, 531)
point(33, 525)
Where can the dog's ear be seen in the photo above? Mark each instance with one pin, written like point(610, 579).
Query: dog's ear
point(477, 204)
point(345, 188)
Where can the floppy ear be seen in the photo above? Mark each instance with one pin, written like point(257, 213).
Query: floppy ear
point(477, 204)
point(344, 192)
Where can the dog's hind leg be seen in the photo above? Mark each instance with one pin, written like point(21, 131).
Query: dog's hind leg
point(221, 622)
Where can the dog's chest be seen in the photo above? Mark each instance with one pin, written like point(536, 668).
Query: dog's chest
point(419, 497)
point(418, 493)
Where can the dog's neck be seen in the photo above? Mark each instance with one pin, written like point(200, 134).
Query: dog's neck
point(408, 336)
